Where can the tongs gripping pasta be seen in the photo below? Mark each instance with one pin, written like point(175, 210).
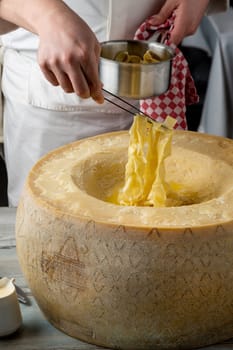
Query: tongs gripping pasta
point(168, 123)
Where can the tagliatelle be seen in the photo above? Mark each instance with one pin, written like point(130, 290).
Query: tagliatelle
point(149, 145)
point(148, 57)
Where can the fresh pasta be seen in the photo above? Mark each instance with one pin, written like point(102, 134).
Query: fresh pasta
point(148, 57)
point(149, 145)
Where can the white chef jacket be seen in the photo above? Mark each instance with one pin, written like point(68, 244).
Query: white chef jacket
point(109, 19)
point(39, 117)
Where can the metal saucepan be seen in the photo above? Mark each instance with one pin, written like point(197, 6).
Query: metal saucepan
point(135, 80)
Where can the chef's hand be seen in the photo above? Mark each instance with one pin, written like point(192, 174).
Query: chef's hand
point(69, 54)
point(188, 16)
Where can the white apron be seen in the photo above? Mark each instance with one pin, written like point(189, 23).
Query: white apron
point(39, 117)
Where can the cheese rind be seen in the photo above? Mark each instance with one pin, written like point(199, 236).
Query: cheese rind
point(131, 277)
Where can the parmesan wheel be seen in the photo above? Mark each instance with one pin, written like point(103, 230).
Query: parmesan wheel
point(131, 277)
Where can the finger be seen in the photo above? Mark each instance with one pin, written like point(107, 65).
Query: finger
point(164, 13)
point(49, 76)
point(57, 77)
point(92, 76)
point(179, 31)
point(96, 90)
point(85, 80)
point(176, 37)
point(63, 80)
point(98, 96)
point(183, 26)
point(79, 81)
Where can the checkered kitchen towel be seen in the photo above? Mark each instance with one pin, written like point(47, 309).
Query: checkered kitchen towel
point(182, 90)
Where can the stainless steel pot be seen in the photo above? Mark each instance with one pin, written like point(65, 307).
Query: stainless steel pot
point(135, 80)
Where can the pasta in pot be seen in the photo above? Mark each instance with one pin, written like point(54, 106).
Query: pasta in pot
point(148, 57)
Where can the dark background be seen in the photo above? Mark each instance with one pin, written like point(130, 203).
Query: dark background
point(3, 184)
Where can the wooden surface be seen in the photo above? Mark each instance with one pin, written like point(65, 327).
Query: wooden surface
point(37, 333)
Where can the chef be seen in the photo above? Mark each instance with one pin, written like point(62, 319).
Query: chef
point(50, 86)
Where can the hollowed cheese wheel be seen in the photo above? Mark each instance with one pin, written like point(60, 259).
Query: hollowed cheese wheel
point(131, 277)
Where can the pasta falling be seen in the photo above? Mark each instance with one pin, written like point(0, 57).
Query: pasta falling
point(149, 146)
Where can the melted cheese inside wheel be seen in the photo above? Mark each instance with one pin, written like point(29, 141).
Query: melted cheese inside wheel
point(76, 180)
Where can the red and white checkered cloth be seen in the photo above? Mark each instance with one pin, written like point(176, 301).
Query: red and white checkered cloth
point(182, 90)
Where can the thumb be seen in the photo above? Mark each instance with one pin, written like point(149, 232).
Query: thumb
point(164, 13)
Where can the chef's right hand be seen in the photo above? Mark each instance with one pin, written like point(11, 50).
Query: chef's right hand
point(69, 54)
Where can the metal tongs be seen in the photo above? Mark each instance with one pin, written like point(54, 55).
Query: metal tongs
point(136, 110)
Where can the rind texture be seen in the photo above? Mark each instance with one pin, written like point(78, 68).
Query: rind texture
point(127, 287)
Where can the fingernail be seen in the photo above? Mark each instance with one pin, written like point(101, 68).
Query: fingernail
point(99, 98)
point(155, 20)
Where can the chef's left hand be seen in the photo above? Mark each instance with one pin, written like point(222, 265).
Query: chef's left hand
point(188, 16)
